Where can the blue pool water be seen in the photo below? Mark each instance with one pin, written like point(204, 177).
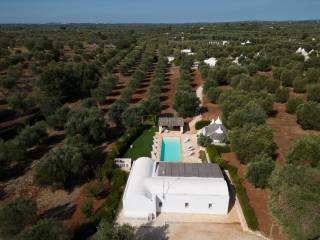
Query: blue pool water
point(170, 150)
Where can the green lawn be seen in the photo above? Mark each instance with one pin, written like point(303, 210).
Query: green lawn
point(142, 146)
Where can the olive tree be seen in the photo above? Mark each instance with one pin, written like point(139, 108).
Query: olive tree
point(308, 115)
point(252, 140)
point(16, 216)
point(294, 200)
point(305, 151)
point(48, 229)
point(259, 170)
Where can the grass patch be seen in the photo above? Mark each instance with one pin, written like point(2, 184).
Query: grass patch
point(142, 146)
point(248, 211)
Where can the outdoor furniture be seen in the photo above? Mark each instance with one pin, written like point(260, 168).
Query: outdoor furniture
point(186, 140)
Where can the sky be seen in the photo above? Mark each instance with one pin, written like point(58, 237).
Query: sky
point(155, 11)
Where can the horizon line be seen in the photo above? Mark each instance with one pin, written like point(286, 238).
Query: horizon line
point(161, 23)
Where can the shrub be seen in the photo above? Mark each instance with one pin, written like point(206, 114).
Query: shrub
point(87, 207)
point(107, 231)
point(292, 104)
point(214, 154)
point(16, 216)
point(48, 229)
point(201, 124)
point(313, 93)
point(282, 95)
point(308, 115)
point(213, 94)
point(305, 151)
point(259, 171)
point(203, 140)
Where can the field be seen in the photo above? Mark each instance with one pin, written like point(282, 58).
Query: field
point(73, 97)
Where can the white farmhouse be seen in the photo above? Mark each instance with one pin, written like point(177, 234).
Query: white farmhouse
point(211, 61)
point(174, 187)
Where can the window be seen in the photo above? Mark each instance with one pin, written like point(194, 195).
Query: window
point(210, 205)
point(160, 204)
point(186, 205)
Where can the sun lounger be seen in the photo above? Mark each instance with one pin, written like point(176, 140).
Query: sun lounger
point(186, 140)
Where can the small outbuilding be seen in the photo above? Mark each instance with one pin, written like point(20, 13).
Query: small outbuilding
point(170, 123)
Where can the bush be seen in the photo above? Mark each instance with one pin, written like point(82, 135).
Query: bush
point(87, 207)
point(282, 95)
point(308, 115)
point(201, 124)
point(313, 93)
point(214, 154)
point(213, 94)
point(16, 216)
point(252, 140)
point(292, 104)
point(107, 231)
point(305, 151)
point(48, 229)
point(203, 140)
point(259, 171)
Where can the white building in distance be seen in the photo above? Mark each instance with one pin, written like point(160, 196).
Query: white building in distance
point(174, 187)
point(211, 61)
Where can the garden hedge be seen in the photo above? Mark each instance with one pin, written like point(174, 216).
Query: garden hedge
point(202, 123)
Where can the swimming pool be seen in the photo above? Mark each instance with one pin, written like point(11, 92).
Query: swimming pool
point(170, 149)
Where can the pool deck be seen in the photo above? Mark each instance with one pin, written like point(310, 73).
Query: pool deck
point(195, 158)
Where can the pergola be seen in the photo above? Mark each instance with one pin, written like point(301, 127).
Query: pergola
point(171, 122)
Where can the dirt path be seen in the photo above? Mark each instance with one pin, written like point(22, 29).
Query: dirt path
point(168, 91)
point(196, 231)
point(285, 130)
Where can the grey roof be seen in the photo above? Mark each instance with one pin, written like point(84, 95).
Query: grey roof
point(178, 169)
point(211, 132)
point(171, 122)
